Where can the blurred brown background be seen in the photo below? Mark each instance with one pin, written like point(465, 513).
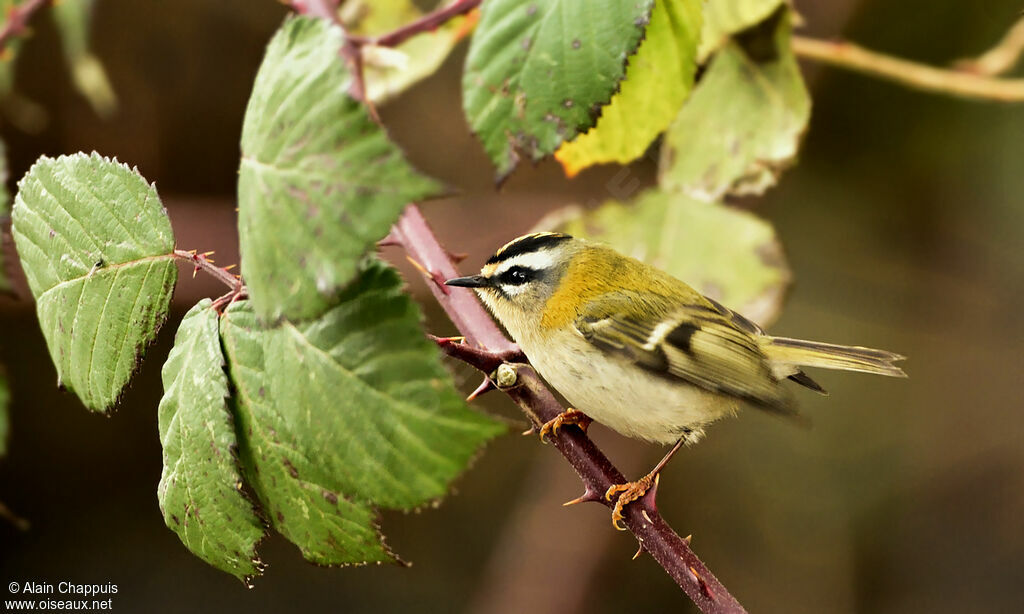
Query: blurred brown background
point(903, 226)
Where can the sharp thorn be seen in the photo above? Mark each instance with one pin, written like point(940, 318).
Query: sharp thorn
point(587, 496)
point(389, 240)
point(651, 496)
point(208, 254)
point(444, 340)
point(229, 267)
point(688, 539)
point(415, 263)
point(639, 551)
point(457, 257)
point(485, 386)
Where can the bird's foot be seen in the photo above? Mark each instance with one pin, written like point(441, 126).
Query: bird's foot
point(569, 416)
point(628, 493)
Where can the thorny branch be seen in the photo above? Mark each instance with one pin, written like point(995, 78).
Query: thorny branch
point(487, 349)
point(203, 262)
point(17, 18)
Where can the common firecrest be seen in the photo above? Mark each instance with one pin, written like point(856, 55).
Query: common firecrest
point(638, 350)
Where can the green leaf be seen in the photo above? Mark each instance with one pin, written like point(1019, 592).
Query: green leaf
point(727, 254)
point(538, 73)
point(742, 125)
point(200, 489)
point(724, 18)
point(73, 19)
point(5, 211)
point(388, 71)
point(97, 249)
point(658, 80)
point(346, 413)
point(5, 421)
point(319, 182)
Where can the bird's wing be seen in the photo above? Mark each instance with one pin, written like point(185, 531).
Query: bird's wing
point(703, 344)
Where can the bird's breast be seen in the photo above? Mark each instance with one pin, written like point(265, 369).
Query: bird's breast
point(619, 394)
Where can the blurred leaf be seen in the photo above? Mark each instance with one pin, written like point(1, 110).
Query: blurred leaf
point(319, 183)
point(723, 18)
point(97, 250)
point(73, 19)
point(388, 71)
point(727, 254)
point(5, 421)
point(5, 211)
point(346, 412)
point(743, 123)
point(658, 80)
point(9, 54)
point(200, 489)
point(538, 73)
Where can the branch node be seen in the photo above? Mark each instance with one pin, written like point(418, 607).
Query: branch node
point(505, 376)
point(434, 276)
point(704, 588)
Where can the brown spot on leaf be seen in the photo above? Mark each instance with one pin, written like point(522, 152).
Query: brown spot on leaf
point(331, 497)
point(576, 44)
point(292, 471)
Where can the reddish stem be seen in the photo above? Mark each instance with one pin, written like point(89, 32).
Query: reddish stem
point(350, 52)
point(17, 19)
point(427, 23)
point(413, 233)
point(530, 393)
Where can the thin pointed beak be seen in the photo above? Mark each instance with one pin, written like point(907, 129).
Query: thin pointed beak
point(473, 281)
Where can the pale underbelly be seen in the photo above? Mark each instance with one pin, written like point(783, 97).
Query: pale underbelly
point(624, 397)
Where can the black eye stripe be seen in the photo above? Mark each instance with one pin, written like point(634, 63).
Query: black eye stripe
point(518, 275)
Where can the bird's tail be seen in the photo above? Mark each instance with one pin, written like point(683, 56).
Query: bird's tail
point(799, 353)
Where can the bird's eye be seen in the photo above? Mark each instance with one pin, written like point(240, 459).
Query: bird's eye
point(518, 275)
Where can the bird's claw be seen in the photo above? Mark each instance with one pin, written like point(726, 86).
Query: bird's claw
point(631, 491)
point(569, 416)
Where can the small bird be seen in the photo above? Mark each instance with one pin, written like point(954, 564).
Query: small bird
point(638, 350)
